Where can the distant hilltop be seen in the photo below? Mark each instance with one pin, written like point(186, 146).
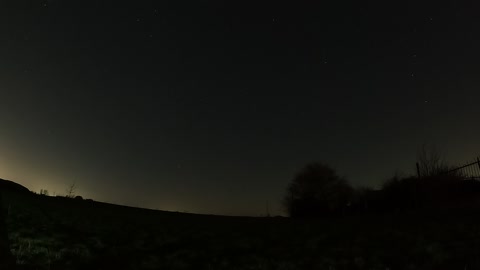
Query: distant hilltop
point(12, 186)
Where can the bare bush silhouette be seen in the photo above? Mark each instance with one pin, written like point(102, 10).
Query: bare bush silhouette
point(430, 162)
point(317, 191)
point(71, 191)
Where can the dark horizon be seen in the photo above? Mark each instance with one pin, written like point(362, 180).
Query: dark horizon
point(214, 107)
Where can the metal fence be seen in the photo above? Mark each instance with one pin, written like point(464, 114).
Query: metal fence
point(468, 171)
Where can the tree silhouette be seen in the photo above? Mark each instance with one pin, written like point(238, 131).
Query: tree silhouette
point(317, 191)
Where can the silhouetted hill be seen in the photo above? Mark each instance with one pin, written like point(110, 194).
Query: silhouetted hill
point(12, 186)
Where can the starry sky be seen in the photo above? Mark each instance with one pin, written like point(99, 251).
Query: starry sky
point(213, 107)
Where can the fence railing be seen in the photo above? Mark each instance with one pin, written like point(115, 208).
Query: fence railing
point(468, 171)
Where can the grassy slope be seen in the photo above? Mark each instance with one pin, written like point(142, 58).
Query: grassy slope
point(55, 233)
point(6, 259)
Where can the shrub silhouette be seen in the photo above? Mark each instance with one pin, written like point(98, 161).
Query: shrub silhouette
point(398, 194)
point(364, 200)
point(317, 191)
point(432, 192)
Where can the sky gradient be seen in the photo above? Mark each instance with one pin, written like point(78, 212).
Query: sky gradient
point(213, 108)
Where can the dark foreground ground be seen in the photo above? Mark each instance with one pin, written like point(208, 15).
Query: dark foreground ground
point(59, 233)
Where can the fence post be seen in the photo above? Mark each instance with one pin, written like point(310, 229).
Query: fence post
point(418, 170)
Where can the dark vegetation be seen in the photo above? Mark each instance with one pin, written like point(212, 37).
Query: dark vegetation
point(317, 191)
point(62, 233)
point(411, 222)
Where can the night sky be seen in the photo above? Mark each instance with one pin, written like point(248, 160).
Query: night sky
point(213, 107)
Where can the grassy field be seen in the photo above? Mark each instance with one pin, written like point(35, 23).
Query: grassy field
point(58, 233)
